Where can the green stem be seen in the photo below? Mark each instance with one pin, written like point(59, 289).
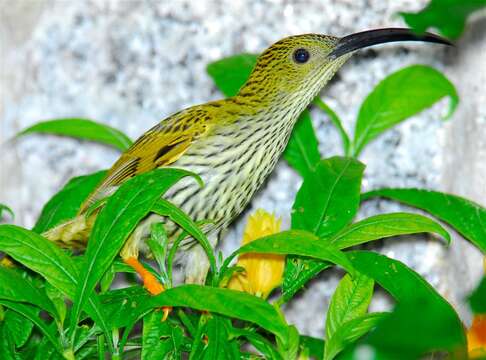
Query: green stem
point(187, 322)
point(337, 123)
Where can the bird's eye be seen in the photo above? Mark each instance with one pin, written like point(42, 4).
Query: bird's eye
point(301, 56)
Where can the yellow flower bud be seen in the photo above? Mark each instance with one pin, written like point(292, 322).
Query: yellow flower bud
point(263, 272)
point(6, 262)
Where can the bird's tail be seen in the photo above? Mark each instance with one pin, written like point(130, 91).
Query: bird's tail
point(72, 234)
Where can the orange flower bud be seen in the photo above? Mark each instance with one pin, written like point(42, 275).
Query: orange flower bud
point(476, 338)
point(263, 272)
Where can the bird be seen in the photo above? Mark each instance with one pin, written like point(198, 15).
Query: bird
point(232, 144)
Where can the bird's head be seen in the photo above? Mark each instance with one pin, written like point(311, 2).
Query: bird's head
point(298, 67)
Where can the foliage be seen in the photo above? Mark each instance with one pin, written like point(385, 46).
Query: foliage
point(448, 16)
point(63, 305)
point(5, 208)
point(465, 216)
point(81, 129)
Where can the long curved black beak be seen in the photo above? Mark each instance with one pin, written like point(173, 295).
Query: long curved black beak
point(364, 39)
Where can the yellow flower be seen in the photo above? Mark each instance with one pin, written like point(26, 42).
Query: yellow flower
point(263, 272)
point(476, 338)
point(6, 262)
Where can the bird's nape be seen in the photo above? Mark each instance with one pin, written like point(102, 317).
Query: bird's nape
point(368, 38)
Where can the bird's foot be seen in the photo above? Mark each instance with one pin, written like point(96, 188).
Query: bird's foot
point(150, 282)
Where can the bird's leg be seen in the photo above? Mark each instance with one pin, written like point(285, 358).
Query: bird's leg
point(129, 254)
point(150, 282)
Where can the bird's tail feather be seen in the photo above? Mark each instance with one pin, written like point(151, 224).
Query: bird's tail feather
point(72, 234)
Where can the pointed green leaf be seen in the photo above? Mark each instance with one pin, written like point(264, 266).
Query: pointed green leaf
point(124, 209)
point(7, 343)
point(465, 216)
point(417, 328)
point(16, 288)
point(165, 208)
point(328, 198)
point(312, 346)
point(231, 303)
point(161, 339)
point(399, 96)
point(350, 331)
point(39, 255)
point(66, 203)
point(6, 209)
point(428, 322)
point(298, 272)
point(231, 73)
point(350, 300)
point(448, 16)
point(158, 244)
point(83, 129)
point(302, 151)
point(31, 313)
point(48, 260)
point(262, 344)
point(386, 225)
point(295, 242)
point(477, 300)
point(219, 345)
point(19, 327)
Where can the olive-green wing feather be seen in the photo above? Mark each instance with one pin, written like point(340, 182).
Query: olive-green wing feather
point(160, 146)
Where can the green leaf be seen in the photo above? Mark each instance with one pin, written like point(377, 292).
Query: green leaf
point(350, 331)
point(231, 303)
point(123, 307)
point(219, 345)
point(158, 244)
point(328, 198)
point(336, 122)
point(428, 321)
point(290, 349)
point(312, 346)
point(477, 300)
point(39, 255)
point(165, 208)
point(448, 16)
point(16, 288)
point(302, 151)
point(66, 203)
point(47, 259)
point(124, 209)
point(81, 129)
point(264, 346)
point(350, 300)
point(58, 300)
point(31, 313)
point(231, 73)
point(161, 339)
point(298, 272)
point(465, 216)
point(6, 209)
point(19, 327)
point(386, 225)
point(295, 242)
point(398, 97)
point(7, 344)
point(417, 328)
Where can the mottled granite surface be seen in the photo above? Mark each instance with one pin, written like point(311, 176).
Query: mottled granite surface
point(130, 64)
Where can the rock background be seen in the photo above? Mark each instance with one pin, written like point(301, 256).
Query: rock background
point(130, 64)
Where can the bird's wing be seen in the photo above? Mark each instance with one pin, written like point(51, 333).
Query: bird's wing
point(160, 146)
